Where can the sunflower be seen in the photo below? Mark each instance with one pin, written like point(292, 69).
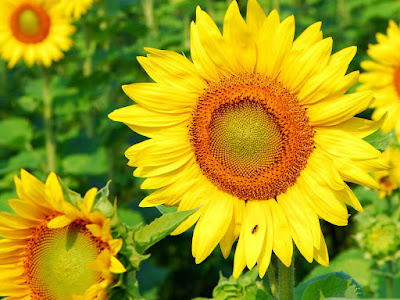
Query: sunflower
point(76, 8)
point(53, 250)
point(257, 132)
point(383, 77)
point(389, 180)
point(35, 30)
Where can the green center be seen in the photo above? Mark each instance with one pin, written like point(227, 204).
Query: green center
point(28, 22)
point(59, 262)
point(244, 134)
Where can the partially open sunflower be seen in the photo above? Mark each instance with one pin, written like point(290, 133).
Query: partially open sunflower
point(52, 250)
point(257, 132)
point(36, 30)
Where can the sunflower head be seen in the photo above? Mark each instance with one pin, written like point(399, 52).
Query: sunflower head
point(382, 75)
point(389, 180)
point(35, 30)
point(257, 132)
point(52, 249)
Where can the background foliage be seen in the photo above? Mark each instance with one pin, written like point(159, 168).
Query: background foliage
point(86, 86)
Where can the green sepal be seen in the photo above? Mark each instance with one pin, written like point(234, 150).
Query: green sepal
point(166, 209)
point(336, 284)
point(70, 195)
point(150, 234)
point(102, 203)
point(380, 140)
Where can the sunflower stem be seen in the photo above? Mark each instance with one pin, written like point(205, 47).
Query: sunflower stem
point(389, 279)
point(275, 4)
point(48, 123)
point(286, 281)
point(272, 276)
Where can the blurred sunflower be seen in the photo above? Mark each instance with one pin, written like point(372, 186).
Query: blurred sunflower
point(389, 180)
point(36, 30)
point(256, 132)
point(76, 8)
point(53, 250)
point(383, 77)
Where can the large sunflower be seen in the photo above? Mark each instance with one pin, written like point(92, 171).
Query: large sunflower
point(76, 8)
point(383, 77)
point(53, 250)
point(256, 132)
point(36, 30)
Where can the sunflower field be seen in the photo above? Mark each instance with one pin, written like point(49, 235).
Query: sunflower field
point(199, 149)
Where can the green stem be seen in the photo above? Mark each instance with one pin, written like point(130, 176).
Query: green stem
point(389, 279)
point(286, 281)
point(48, 123)
point(148, 11)
point(272, 276)
point(275, 4)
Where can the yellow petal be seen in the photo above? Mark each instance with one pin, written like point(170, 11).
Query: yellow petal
point(157, 97)
point(140, 116)
point(204, 65)
point(338, 109)
point(255, 16)
point(59, 222)
point(172, 69)
point(254, 229)
point(240, 38)
point(215, 45)
point(342, 144)
point(283, 244)
point(264, 258)
point(298, 223)
point(212, 225)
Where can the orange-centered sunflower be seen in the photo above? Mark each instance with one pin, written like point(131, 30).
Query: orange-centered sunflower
point(35, 30)
point(52, 250)
point(383, 77)
point(257, 132)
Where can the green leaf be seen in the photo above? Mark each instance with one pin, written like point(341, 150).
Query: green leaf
point(86, 164)
point(16, 133)
point(334, 284)
point(158, 229)
point(130, 217)
point(380, 140)
point(352, 262)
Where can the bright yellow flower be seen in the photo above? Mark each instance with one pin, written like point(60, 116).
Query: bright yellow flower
point(256, 132)
point(389, 180)
point(52, 250)
point(35, 30)
point(76, 8)
point(383, 77)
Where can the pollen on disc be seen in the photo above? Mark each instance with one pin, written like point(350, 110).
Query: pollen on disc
point(57, 259)
point(245, 137)
point(250, 136)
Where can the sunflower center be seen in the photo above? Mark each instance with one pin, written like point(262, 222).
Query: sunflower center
point(30, 23)
point(250, 136)
point(56, 261)
point(244, 136)
point(397, 80)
